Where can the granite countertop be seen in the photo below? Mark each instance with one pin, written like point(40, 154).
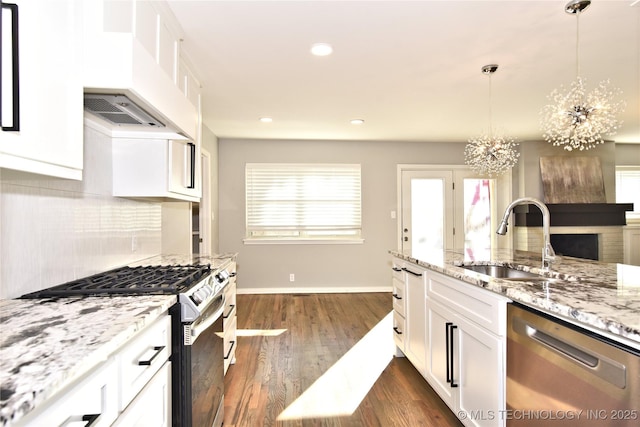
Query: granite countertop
point(216, 261)
point(46, 344)
point(602, 297)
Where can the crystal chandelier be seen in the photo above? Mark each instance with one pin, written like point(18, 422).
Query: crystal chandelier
point(577, 119)
point(488, 154)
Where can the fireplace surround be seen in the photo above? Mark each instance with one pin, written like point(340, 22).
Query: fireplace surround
point(604, 220)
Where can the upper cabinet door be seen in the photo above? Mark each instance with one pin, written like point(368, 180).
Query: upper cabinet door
point(48, 56)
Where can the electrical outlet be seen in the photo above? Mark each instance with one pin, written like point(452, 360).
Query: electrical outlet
point(292, 277)
point(134, 243)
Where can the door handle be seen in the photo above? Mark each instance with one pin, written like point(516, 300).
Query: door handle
point(15, 68)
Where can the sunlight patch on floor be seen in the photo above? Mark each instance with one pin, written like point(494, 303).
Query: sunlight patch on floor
point(340, 390)
point(259, 332)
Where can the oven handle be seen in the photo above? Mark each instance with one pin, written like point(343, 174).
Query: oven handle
point(207, 318)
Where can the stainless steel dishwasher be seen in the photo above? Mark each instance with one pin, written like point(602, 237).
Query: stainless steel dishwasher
point(560, 374)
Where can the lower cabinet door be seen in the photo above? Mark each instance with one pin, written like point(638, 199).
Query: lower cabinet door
point(480, 374)
point(152, 406)
point(466, 367)
point(438, 345)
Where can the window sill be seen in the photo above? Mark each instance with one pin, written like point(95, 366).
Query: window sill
point(285, 241)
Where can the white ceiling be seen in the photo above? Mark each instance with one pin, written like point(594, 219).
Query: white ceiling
point(410, 69)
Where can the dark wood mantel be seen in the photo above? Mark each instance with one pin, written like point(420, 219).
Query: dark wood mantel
point(574, 214)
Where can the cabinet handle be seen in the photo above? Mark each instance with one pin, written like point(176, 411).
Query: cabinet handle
point(396, 269)
point(447, 347)
point(397, 331)
point(233, 343)
point(411, 272)
point(397, 297)
point(148, 362)
point(90, 419)
point(192, 169)
point(15, 69)
point(451, 340)
point(231, 307)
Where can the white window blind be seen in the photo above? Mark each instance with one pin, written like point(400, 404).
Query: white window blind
point(303, 201)
point(627, 189)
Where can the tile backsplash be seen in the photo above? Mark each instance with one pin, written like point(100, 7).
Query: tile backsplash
point(54, 230)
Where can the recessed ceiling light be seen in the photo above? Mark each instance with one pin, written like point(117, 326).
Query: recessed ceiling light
point(321, 49)
point(357, 121)
point(266, 119)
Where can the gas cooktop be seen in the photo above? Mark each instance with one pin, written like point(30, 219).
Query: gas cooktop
point(143, 280)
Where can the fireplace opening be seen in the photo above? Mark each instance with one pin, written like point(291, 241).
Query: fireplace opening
point(576, 245)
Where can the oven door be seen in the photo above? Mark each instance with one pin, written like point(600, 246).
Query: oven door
point(202, 392)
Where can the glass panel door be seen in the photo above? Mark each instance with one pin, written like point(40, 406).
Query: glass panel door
point(427, 208)
point(447, 209)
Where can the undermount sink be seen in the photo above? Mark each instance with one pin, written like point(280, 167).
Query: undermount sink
point(508, 273)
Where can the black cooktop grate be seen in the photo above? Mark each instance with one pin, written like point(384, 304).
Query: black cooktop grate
point(144, 280)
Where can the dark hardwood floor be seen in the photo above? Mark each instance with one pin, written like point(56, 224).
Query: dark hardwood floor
point(287, 342)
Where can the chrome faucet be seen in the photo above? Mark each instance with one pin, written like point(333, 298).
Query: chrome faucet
point(548, 254)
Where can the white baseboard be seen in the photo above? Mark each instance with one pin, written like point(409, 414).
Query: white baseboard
point(321, 290)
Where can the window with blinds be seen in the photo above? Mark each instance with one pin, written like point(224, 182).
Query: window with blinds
point(627, 185)
point(303, 201)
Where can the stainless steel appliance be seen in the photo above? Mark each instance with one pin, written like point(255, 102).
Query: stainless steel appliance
point(197, 344)
point(558, 372)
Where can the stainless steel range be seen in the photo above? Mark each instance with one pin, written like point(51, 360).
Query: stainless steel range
point(197, 343)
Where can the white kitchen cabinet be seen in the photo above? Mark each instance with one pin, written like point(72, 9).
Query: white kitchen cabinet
point(93, 398)
point(416, 319)
point(230, 320)
point(132, 387)
point(141, 358)
point(161, 169)
point(466, 346)
point(152, 407)
point(134, 48)
point(49, 140)
point(399, 305)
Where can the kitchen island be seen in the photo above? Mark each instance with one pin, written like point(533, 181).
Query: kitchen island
point(601, 297)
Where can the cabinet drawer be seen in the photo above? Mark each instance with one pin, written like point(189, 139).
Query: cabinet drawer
point(152, 407)
point(399, 299)
point(94, 396)
point(230, 344)
point(483, 307)
point(398, 330)
point(396, 269)
point(230, 304)
point(142, 357)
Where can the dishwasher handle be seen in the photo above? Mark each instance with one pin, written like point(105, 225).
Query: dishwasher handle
point(601, 366)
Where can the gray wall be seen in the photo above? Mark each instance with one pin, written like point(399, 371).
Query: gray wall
point(364, 266)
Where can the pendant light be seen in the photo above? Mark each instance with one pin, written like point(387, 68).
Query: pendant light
point(577, 120)
point(489, 154)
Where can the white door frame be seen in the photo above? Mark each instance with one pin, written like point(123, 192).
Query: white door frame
point(503, 189)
